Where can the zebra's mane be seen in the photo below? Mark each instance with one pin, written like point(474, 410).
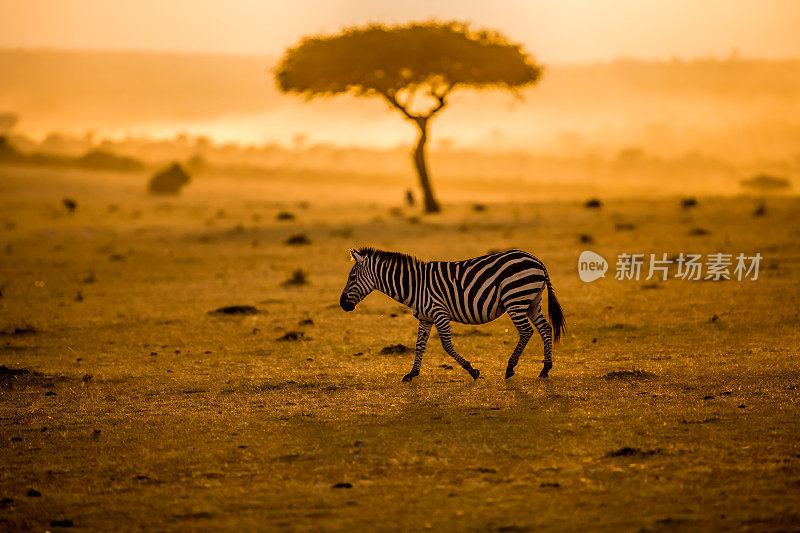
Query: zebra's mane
point(368, 251)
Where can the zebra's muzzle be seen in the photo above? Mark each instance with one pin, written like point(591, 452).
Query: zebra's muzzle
point(346, 304)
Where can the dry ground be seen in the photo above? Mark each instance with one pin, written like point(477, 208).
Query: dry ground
point(126, 405)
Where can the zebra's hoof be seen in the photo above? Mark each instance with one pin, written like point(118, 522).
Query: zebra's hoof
point(408, 377)
point(475, 373)
point(543, 373)
point(509, 372)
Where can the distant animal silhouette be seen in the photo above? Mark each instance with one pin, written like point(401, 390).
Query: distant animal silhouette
point(474, 291)
point(169, 181)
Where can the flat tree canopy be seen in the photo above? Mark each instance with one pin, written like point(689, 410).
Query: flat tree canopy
point(397, 62)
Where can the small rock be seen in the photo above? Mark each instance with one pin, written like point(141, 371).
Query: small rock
point(592, 203)
point(395, 349)
point(33, 493)
point(237, 310)
point(61, 523)
point(292, 336)
point(70, 204)
point(300, 239)
point(343, 485)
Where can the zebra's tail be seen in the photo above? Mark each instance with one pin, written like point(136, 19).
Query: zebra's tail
point(554, 310)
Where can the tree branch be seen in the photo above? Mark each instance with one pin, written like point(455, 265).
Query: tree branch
point(392, 100)
point(440, 97)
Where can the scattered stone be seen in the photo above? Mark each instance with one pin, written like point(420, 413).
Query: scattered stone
point(6, 501)
point(79, 297)
point(343, 485)
point(586, 239)
point(446, 366)
point(237, 310)
point(24, 330)
point(592, 203)
point(624, 226)
point(629, 374)
point(760, 210)
point(33, 493)
point(395, 349)
point(688, 203)
point(708, 397)
point(698, 232)
point(627, 451)
point(61, 523)
point(549, 485)
point(284, 215)
point(479, 208)
point(306, 322)
point(300, 239)
point(292, 336)
point(742, 406)
point(70, 204)
point(297, 278)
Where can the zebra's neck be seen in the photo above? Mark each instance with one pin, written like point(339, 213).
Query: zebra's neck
point(398, 278)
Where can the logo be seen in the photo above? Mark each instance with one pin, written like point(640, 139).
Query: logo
point(591, 266)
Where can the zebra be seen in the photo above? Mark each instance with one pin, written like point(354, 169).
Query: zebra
point(474, 291)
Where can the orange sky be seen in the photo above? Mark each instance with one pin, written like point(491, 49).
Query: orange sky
point(554, 31)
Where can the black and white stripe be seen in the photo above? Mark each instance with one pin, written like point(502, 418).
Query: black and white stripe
point(474, 291)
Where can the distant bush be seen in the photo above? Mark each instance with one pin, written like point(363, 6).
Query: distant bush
point(9, 154)
point(767, 183)
point(103, 160)
point(169, 181)
point(95, 159)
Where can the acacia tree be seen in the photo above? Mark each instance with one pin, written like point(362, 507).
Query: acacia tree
point(399, 62)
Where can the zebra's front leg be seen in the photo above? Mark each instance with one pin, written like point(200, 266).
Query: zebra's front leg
point(443, 328)
point(520, 320)
point(422, 341)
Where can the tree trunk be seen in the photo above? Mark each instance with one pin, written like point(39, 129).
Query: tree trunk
point(430, 203)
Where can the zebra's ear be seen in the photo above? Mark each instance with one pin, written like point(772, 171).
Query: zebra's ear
point(355, 256)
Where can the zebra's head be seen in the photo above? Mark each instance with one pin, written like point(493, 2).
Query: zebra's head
point(359, 283)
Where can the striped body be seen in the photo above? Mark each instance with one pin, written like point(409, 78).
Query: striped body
point(474, 291)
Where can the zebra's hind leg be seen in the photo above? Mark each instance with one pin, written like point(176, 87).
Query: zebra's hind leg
point(443, 328)
point(422, 341)
point(546, 331)
point(519, 316)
